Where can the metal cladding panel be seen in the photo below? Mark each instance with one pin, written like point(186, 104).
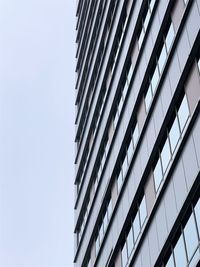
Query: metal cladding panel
point(158, 116)
point(166, 95)
point(193, 23)
point(145, 254)
point(150, 135)
point(174, 72)
point(193, 87)
point(170, 205)
point(183, 49)
point(162, 7)
point(177, 13)
point(180, 188)
point(161, 222)
point(153, 242)
point(155, 27)
point(190, 162)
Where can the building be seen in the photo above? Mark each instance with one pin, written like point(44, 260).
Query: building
point(137, 181)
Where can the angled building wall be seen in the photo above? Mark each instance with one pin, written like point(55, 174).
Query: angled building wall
point(137, 181)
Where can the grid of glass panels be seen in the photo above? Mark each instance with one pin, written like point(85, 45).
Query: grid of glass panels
point(145, 21)
point(185, 247)
point(103, 224)
point(128, 154)
point(159, 65)
point(133, 231)
point(172, 137)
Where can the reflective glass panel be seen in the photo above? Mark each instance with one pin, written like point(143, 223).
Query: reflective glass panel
point(170, 262)
point(136, 226)
point(109, 209)
point(174, 134)
point(191, 238)
point(143, 211)
point(120, 104)
point(101, 233)
point(105, 221)
point(179, 253)
point(157, 174)
point(119, 181)
point(165, 155)
point(125, 166)
point(124, 255)
point(199, 65)
point(170, 37)
point(148, 98)
point(155, 79)
point(162, 58)
point(197, 214)
point(135, 134)
point(130, 242)
point(183, 113)
point(152, 3)
point(146, 22)
point(130, 151)
point(97, 245)
point(141, 37)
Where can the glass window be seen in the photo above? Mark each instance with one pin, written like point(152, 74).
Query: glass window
point(136, 226)
point(183, 113)
point(155, 79)
point(125, 166)
point(135, 134)
point(119, 181)
point(174, 134)
point(120, 104)
point(130, 242)
point(130, 151)
point(146, 22)
point(152, 3)
point(115, 120)
point(105, 221)
point(170, 262)
point(162, 58)
point(191, 238)
point(97, 244)
point(125, 90)
point(165, 155)
point(198, 64)
point(109, 209)
point(148, 98)
point(101, 233)
point(197, 214)
point(124, 255)
point(157, 174)
point(143, 211)
point(141, 37)
point(130, 73)
point(179, 253)
point(170, 37)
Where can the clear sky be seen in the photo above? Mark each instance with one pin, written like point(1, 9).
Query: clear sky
point(36, 132)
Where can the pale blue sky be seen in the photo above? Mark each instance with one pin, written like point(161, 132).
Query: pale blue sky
point(36, 132)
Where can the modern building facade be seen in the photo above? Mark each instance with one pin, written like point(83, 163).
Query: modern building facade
point(137, 181)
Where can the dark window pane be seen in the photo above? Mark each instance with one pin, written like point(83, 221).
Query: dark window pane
point(170, 262)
